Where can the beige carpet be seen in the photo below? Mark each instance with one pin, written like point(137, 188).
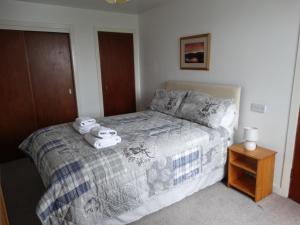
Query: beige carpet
point(216, 205)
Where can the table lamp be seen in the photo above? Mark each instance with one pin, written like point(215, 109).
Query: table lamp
point(250, 138)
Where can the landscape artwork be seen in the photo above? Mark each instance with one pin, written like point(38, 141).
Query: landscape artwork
point(195, 52)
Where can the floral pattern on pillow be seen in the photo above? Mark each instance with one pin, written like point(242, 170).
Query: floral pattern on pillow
point(167, 102)
point(204, 109)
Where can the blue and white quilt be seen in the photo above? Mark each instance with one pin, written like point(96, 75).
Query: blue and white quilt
point(158, 153)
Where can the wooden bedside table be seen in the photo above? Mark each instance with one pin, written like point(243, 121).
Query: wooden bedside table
point(251, 172)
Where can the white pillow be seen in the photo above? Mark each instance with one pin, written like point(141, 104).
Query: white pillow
point(167, 101)
point(228, 120)
point(204, 109)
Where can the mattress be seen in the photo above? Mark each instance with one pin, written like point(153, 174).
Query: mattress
point(161, 160)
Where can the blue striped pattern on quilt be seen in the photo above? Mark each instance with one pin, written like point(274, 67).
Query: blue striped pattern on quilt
point(66, 171)
point(184, 160)
point(185, 166)
point(64, 175)
point(65, 199)
point(186, 176)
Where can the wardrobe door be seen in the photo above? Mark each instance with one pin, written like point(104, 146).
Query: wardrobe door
point(49, 57)
point(17, 113)
point(117, 72)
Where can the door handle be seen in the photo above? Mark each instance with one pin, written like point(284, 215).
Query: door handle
point(70, 91)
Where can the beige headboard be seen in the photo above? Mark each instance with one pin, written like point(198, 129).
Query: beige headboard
point(217, 90)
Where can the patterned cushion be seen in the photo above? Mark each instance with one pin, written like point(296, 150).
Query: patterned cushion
point(167, 101)
point(204, 109)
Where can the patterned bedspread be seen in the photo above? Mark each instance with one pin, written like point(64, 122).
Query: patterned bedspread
point(158, 152)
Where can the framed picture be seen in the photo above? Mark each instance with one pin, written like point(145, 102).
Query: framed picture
point(195, 52)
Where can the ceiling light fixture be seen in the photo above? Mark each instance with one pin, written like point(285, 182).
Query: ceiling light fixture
point(117, 1)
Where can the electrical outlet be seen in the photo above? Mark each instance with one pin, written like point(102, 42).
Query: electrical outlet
point(259, 108)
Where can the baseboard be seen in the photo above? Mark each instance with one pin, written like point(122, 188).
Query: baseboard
point(279, 191)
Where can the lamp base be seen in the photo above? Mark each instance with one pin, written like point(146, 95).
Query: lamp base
point(250, 145)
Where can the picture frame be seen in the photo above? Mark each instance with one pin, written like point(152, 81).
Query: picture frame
point(195, 52)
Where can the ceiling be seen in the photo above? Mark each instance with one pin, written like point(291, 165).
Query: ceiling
point(132, 7)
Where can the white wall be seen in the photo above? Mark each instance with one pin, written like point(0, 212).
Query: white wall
point(292, 128)
point(83, 24)
point(254, 45)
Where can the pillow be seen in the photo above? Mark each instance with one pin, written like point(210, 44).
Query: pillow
point(204, 109)
point(228, 121)
point(167, 101)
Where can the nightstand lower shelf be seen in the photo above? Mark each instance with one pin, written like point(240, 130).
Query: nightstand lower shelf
point(245, 184)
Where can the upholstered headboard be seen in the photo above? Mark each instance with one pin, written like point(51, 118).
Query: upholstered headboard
point(217, 90)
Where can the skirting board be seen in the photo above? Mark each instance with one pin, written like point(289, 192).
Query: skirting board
point(279, 191)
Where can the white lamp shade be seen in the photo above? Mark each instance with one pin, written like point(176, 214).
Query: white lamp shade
point(250, 134)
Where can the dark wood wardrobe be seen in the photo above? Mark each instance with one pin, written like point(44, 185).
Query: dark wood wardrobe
point(36, 85)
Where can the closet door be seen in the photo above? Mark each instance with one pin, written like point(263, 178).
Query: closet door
point(295, 173)
point(117, 72)
point(49, 58)
point(17, 112)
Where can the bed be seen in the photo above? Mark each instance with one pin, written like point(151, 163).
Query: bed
point(161, 160)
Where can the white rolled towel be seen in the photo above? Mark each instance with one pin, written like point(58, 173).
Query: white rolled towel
point(84, 121)
point(99, 143)
point(103, 132)
point(85, 129)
